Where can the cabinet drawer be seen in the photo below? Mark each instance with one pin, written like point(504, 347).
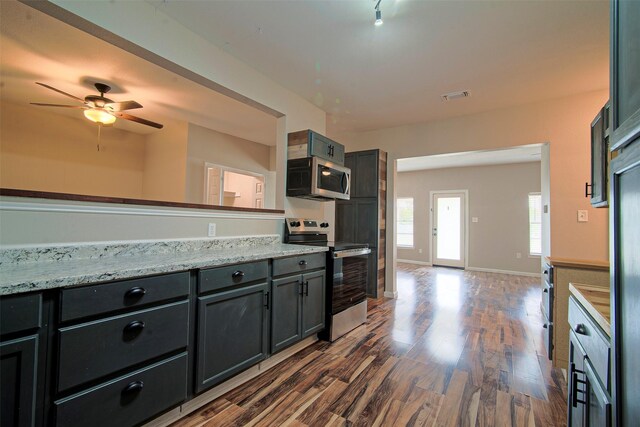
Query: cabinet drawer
point(91, 350)
point(593, 340)
point(298, 264)
point(128, 400)
point(223, 277)
point(93, 300)
point(20, 312)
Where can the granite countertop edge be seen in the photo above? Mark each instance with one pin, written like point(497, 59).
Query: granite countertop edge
point(37, 276)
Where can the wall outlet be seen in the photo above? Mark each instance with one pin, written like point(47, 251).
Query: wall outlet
point(583, 216)
point(211, 231)
point(518, 255)
point(474, 219)
point(419, 251)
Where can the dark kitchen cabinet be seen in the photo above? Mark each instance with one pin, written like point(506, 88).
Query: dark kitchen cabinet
point(625, 72)
point(307, 143)
point(232, 332)
point(123, 350)
point(23, 347)
point(589, 367)
point(298, 308)
point(361, 219)
point(598, 189)
point(624, 205)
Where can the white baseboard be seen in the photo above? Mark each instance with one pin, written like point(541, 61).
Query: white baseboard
point(390, 294)
point(217, 391)
point(493, 270)
point(410, 261)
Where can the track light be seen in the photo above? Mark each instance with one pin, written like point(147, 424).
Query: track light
point(379, 20)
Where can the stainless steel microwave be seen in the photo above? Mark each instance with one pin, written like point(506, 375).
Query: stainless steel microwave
point(315, 178)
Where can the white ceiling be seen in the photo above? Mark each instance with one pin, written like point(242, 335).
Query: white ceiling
point(39, 48)
point(522, 154)
point(329, 52)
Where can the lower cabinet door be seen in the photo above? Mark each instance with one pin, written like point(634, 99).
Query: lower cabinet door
point(577, 396)
point(232, 333)
point(313, 303)
point(286, 328)
point(18, 360)
point(598, 401)
point(128, 400)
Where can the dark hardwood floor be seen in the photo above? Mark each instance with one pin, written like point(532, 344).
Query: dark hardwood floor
point(455, 348)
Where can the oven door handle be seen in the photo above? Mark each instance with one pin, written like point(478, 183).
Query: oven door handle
point(350, 253)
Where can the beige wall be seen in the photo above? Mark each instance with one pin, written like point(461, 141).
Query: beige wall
point(45, 151)
point(498, 197)
point(206, 145)
point(563, 123)
point(165, 162)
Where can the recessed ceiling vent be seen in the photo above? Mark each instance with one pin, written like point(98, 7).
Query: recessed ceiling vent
point(455, 95)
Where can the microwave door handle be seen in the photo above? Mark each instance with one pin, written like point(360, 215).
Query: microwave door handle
point(345, 177)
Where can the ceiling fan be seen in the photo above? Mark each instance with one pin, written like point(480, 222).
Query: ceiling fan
point(100, 109)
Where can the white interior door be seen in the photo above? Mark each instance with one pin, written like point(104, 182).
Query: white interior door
point(448, 229)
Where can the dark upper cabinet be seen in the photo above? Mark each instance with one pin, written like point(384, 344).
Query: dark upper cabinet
point(345, 221)
point(307, 143)
point(598, 189)
point(357, 221)
point(232, 333)
point(625, 71)
point(624, 205)
point(366, 171)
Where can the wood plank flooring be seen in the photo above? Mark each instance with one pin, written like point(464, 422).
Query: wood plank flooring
point(455, 349)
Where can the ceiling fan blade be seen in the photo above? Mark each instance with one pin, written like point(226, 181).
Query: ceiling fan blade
point(121, 106)
point(59, 105)
point(137, 119)
point(59, 91)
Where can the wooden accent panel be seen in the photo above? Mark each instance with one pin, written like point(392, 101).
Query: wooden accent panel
point(382, 218)
point(13, 192)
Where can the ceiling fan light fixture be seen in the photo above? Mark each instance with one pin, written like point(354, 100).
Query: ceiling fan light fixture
point(100, 116)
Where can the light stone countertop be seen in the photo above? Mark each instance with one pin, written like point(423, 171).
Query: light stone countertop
point(18, 274)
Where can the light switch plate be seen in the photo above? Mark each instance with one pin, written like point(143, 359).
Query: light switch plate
point(211, 232)
point(583, 216)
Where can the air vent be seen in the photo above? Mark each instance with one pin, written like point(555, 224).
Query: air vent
point(455, 95)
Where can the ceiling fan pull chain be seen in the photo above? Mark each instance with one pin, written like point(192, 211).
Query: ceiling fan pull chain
point(99, 135)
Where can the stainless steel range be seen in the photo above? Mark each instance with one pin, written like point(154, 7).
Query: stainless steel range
point(347, 263)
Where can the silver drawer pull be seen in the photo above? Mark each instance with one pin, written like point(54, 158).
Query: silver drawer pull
point(134, 386)
point(581, 329)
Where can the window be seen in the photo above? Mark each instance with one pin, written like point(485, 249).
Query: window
point(535, 224)
point(405, 222)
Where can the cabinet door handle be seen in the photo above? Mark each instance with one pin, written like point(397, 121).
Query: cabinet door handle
point(135, 326)
point(544, 326)
point(237, 274)
point(302, 262)
point(586, 189)
point(301, 284)
point(306, 284)
point(135, 292)
point(546, 291)
point(266, 300)
point(581, 329)
point(134, 386)
point(574, 386)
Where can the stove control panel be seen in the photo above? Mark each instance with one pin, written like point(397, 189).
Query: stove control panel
point(301, 225)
